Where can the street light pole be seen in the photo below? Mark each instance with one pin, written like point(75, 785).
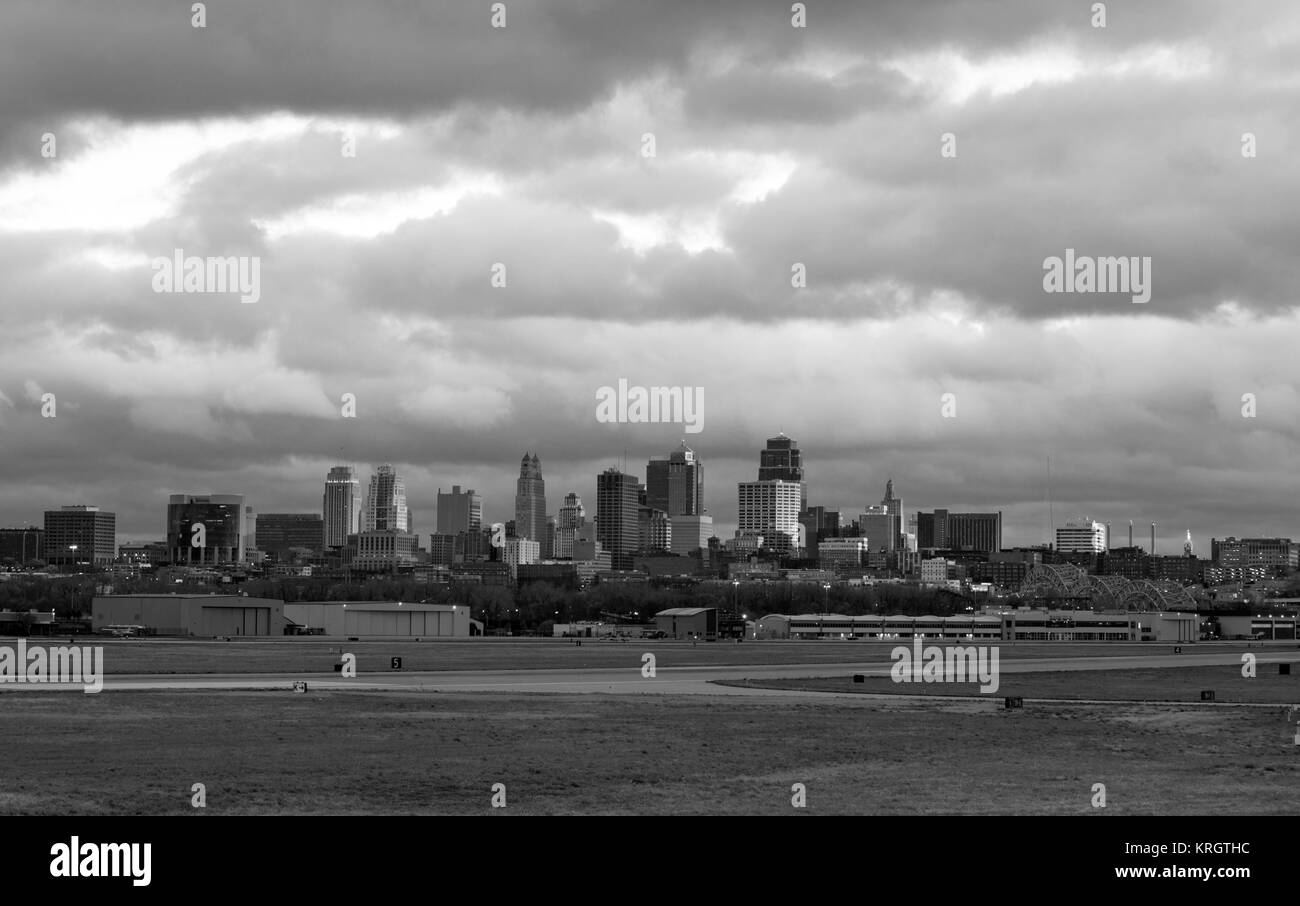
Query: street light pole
point(826, 590)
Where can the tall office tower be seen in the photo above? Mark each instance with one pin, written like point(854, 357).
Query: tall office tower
point(386, 502)
point(675, 484)
point(782, 461)
point(819, 524)
point(568, 524)
point(342, 506)
point(932, 530)
point(895, 506)
point(975, 531)
point(530, 500)
point(224, 535)
point(459, 511)
point(771, 508)
point(21, 544)
point(1081, 536)
point(690, 534)
point(279, 534)
point(942, 530)
point(617, 527)
point(880, 527)
point(80, 534)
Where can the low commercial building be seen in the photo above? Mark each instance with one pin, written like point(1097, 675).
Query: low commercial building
point(30, 622)
point(688, 622)
point(1090, 626)
point(587, 629)
point(381, 618)
point(190, 615)
point(840, 626)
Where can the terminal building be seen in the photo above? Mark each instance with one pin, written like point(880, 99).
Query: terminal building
point(1016, 625)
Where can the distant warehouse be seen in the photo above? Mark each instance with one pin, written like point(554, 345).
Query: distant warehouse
point(190, 615)
point(379, 618)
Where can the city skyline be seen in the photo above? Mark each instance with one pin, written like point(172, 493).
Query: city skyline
point(850, 511)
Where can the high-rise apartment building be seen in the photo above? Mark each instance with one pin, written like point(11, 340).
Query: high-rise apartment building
point(617, 528)
point(341, 506)
point(675, 484)
point(385, 507)
point(530, 500)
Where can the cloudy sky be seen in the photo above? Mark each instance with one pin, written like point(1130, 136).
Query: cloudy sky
point(773, 145)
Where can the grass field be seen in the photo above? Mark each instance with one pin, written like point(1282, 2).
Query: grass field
point(316, 655)
point(399, 753)
point(1183, 684)
point(379, 752)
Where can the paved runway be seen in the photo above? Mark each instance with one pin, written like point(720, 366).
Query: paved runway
point(626, 680)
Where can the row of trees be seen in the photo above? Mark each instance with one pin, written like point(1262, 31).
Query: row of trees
point(527, 607)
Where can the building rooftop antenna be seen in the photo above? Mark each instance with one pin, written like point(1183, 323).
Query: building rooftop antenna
point(1051, 522)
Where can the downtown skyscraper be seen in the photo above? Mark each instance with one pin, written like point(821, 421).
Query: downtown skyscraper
point(770, 507)
point(341, 507)
point(571, 522)
point(675, 484)
point(530, 501)
point(617, 509)
point(385, 508)
point(459, 511)
point(781, 460)
point(894, 506)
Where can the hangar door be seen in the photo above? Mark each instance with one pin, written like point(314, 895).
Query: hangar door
point(236, 621)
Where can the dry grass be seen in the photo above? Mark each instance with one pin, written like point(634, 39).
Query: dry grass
point(404, 752)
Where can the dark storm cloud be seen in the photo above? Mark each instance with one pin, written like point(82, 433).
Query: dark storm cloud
point(924, 274)
point(141, 59)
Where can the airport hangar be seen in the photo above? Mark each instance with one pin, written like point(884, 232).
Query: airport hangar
point(190, 615)
point(238, 615)
point(382, 618)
